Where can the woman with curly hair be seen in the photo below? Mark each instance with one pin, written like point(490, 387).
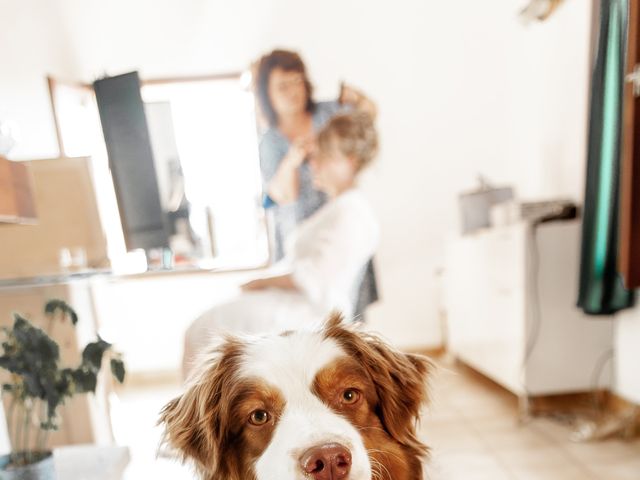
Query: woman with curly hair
point(285, 98)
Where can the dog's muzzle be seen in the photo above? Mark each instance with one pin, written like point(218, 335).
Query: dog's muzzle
point(330, 461)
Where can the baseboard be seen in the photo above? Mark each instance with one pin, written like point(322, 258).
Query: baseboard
point(617, 404)
point(597, 402)
point(589, 404)
point(606, 410)
point(623, 408)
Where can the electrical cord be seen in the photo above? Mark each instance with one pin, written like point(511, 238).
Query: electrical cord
point(596, 374)
point(536, 320)
point(536, 316)
point(535, 325)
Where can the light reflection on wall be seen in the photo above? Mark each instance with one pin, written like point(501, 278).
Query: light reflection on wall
point(215, 131)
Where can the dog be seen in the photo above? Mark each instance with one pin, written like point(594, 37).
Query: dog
point(333, 404)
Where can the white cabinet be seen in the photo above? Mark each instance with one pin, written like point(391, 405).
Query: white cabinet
point(510, 297)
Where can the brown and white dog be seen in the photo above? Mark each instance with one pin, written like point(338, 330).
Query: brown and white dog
point(330, 405)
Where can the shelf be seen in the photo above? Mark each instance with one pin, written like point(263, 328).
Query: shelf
point(17, 205)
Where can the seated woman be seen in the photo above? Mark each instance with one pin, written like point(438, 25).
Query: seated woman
point(325, 255)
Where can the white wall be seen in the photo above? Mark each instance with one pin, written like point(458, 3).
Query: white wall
point(627, 355)
point(461, 86)
point(31, 46)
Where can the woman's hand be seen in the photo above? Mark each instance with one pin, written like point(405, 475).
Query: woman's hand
point(349, 95)
point(257, 284)
point(299, 151)
point(357, 99)
point(284, 187)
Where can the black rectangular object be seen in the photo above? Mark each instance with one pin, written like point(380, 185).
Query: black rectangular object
point(126, 135)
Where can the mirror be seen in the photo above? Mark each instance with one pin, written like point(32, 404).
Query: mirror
point(203, 137)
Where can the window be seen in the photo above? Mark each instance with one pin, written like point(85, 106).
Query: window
point(204, 138)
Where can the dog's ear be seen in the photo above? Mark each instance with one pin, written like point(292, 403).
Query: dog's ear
point(197, 422)
point(181, 418)
point(400, 379)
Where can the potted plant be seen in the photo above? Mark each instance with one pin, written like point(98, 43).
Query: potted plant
point(37, 385)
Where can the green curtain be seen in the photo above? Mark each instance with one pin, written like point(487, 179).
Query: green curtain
point(601, 288)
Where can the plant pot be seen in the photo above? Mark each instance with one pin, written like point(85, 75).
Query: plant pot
point(42, 468)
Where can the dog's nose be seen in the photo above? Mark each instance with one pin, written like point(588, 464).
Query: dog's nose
point(330, 461)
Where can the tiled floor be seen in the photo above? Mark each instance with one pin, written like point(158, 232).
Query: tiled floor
point(473, 430)
point(134, 420)
point(471, 426)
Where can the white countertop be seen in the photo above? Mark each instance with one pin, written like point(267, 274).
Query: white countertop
point(91, 462)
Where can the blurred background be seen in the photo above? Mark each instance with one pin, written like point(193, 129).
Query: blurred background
point(484, 114)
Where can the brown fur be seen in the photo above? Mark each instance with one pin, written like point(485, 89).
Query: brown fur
point(400, 385)
point(390, 460)
point(208, 423)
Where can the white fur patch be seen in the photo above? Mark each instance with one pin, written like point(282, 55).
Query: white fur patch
point(290, 364)
point(294, 358)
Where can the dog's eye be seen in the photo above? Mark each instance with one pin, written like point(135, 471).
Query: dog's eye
point(350, 396)
point(259, 417)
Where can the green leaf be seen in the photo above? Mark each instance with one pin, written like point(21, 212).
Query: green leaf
point(34, 343)
point(84, 380)
point(49, 424)
point(30, 354)
point(117, 369)
point(54, 305)
point(32, 385)
point(92, 354)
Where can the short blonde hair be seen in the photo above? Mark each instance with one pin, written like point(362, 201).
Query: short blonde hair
point(355, 135)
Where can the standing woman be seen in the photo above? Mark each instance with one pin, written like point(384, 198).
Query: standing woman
point(284, 94)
